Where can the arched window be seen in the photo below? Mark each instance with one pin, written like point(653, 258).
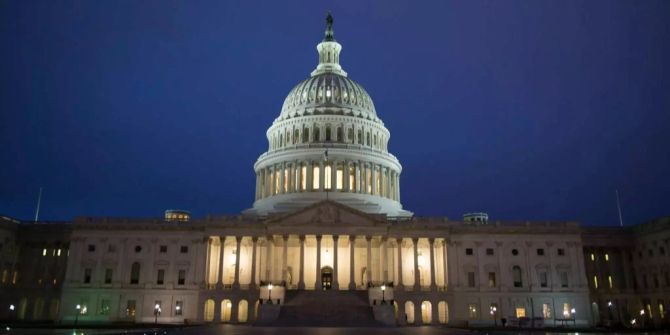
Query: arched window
point(516, 276)
point(135, 273)
point(209, 310)
point(374, 140)
point(350, 135)
point(305, 135)
point(226, 309)
point(367, 139)
point(281, 140)
point(443, 312)
point(360, 136)
point(426, 312)
point(339, 134)
point(328, 137)
point(242, 312)
point(317, 134)
point(296, 136)
point(409, 312)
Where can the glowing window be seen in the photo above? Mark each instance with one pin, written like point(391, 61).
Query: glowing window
point(607, 257)
point(277, 182)
point(327, 177)
point(472, 311)
point(328, 93)
point(546, 311)
point(595, 281)
point(520, 312)
point(58, 253)
point(593, 257)
point(44, 252)
point(303, 178)
point(285, 186)
point(352, 179)
point(315, 178)
point(567, 311)
point(609, 281)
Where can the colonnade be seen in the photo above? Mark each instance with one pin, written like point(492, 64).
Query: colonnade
point(333, 176)
point(268, 262)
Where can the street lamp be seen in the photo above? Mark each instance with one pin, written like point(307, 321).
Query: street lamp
point(270, 293)
point(157, 312)
point(573, 311)
point(494, 314)
point(642, 317)
point(76, 316)
point(383, 290)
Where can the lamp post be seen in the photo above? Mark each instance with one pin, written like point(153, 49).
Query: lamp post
point(270, 294)
point(494, 313)
point(76, 315)
point(157, 312)
point(573, 311)
point(642, 317)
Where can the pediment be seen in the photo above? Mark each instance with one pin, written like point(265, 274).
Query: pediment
point(327, 213)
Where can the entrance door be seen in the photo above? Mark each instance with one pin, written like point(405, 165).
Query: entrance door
point(326, 278)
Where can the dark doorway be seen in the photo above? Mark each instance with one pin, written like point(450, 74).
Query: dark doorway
point(326, 278)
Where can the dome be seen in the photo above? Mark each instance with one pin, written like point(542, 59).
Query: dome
point(328, 93)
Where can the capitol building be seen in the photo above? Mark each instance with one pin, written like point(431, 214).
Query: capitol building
point(327, 241)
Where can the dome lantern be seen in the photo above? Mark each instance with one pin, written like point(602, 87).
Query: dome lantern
point(329, 52)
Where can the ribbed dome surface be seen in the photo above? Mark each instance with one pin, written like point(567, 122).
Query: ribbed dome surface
point(344, 95)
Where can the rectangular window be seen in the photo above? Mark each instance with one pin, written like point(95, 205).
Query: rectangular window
point(303, 178)
point(593, 257)
point(561, 252)
point(108, 276)
point(327, 177)
point(352, 178)
point(609, 282)
point(595, 282)
point(368, 178)
point(471, 279)
point(607, 257)
point(91, 247)
point(567, 311)
point(58, 252)
point(181, 279)
point(472, 311)
point(339, 177)
point(661, 309)
point(546, 311)
point(44, 252)
point(87, 276)
point(468, 251)
point(163, 249)
point(83, 307)
point(315, 177)
point(183, 249)
point(564, 279)
point(160, 278)
point(179, 307)
point(489, 251)
point(492, 279)
point(520, 312)
point(285, 186)
point(543, 279)
point(131, 306)
point(105, 307)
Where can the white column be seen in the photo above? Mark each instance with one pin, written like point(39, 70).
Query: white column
point(368, 239)
point(352, 281)
point(253, 262)
point(318, 263)
point(399, 243)
point(282, 176)
point(385, 260)
point(219, 281)
point(284, 258)
point(336, 284)
point(445, 264)
point(433, 264)
point(373, 177)
point(310, 181)
point(346, 179)
point(322, 176)
point(417, 278)
point(301, 282)
point(268, 257)
point(236, 283)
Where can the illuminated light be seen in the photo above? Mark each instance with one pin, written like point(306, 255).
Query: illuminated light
point(633, 321)
point(44, 252)
point(383, 287)
point(641, 312)
point(58, 253)
point(573, 310)
point(178, 307)
point(229, 305)
point(328, 93)
point(11, 307)
point(607, 257)
point(593, 257)
point(609, 304)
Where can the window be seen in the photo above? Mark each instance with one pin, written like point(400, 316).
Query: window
point(644, 282)
point(515, 252)
point(58, 252)
point(656, 284)
point(181, 279)
point(468, 251)
point(567, 311)
point(661, 309)
point(44, 252)
point(540, 252)
point(489, 251)
point(543, 279)
point(183, 249)
point(138, 248)
point(87, 276)
point(108, 276)
point(179, 307)
point(111, 248)
point(327, 170)
point(471, 279)
point(593, 257)
point(595, 282)
point(546, 311)
point(91, 248)
point(472, 311)
point(607, 257)
point(561, 252)
point(492, 279)
point(520, 312)
point(160, 277)
point(131, 306)
point(564, 279)
point(661, 250)
point(83, 310)
point(163, 249)
point(315, 178)
point(135, 273)
point(516, 276)
point(105, 307)
point(609, 282)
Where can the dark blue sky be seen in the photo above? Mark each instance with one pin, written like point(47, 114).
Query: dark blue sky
point(529, 110)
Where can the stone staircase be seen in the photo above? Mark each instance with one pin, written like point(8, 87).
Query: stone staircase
point(326, 308)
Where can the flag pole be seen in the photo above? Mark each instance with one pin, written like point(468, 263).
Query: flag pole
point(39, 201)
point(618, 206)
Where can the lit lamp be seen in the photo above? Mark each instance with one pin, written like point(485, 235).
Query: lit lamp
point(76, 316)
point(157, 312)
point(270, 293)
point(642, 317)
point(383, 290)
point(609, 304)
point(494, 312)
point(574, 318)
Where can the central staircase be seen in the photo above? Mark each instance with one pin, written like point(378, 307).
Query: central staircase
point(326, 308)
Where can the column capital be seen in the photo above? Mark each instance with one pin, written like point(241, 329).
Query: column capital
point(415, 240)
point(398, 240)
point(368, 238)
point(238, 239)
point(302, 238)
point(352, 238)
point(284, 238)
point(336, 238)
point(431, 240)
point(318, 238)
point(254, 239)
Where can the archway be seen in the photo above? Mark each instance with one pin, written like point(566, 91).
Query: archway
point(53, 309)
point(443, 312)
point(23, 305)
point(226, 308)
point(426, 312)
point(326, 277)
point(209, 310)
point(242, 311)
point(409, 312)
point(38, 309)
point(595, 311)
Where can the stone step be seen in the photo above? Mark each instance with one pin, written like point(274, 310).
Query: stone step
point(326, 308)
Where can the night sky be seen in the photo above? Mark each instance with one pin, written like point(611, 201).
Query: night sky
point(527, 110)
